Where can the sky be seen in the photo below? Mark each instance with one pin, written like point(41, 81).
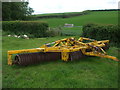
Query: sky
point(60, 6)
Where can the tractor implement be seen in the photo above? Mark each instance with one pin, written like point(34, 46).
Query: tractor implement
point(67, 49)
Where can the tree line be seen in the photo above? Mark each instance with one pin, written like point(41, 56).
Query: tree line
point(107, 10)
point(16, 11)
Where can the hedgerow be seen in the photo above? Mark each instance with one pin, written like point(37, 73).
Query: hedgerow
point(102, 32)
point(35, 28)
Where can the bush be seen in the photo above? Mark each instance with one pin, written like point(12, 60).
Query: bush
point(102, 32)
point(35, 28)
point(54, 31)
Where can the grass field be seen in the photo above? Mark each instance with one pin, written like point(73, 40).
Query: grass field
point(72, 31)
point(90, 72)
point(102, 17)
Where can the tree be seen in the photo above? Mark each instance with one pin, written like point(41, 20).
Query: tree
point(16, 10)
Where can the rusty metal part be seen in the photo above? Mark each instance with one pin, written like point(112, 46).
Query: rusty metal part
point(76, 55)
point(39, 57)
point(33, 58)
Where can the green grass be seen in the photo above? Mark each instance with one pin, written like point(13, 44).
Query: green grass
point(90, 72)
point(72, 31)
point(102, 17)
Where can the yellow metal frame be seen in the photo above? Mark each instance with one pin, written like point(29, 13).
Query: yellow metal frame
point(67, 45)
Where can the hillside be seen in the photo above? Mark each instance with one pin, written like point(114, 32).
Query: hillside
point(102, 17)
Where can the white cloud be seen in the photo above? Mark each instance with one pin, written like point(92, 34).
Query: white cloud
point(56, 6)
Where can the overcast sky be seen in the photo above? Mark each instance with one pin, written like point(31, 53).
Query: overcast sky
point(59, 6)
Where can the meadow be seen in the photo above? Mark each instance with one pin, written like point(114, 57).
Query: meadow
point(101, 17)
point(89, 72)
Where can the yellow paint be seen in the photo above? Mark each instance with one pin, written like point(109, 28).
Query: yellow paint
point(65, 56)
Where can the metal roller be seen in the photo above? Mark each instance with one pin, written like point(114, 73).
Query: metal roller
point(33, 58)
point(76, 55)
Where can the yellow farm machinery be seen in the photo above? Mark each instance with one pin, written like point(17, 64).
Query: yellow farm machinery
point(67, 49)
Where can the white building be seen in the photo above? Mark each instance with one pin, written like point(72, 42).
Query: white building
point(68, 25)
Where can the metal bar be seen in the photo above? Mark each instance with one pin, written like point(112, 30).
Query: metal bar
point(100, 55)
